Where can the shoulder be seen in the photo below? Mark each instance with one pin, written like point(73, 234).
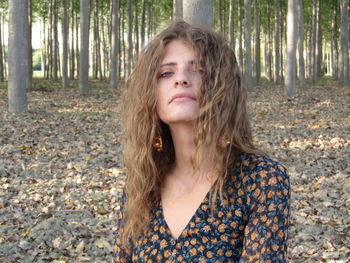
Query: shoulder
point(254, 171)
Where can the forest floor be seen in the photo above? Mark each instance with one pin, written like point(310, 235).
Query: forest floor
point(61, 171)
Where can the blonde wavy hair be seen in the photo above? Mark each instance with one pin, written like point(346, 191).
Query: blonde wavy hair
point(222, 117)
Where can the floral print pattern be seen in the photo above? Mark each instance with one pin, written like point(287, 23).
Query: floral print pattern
point(249, 224)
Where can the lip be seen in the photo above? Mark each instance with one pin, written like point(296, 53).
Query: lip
point(182, 95)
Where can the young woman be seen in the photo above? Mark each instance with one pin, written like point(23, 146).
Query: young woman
point(197, 189)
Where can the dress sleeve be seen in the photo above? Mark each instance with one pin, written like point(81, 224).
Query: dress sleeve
point(265, 235)
point(120, 253)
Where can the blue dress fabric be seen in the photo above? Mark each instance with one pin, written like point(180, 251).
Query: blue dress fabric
point(249, 224)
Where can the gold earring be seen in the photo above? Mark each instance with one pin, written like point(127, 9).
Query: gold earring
point(158, 144)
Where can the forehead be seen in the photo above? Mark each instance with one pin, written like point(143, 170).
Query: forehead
point(177, 50)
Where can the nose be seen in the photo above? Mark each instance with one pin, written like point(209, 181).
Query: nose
point(182, 79)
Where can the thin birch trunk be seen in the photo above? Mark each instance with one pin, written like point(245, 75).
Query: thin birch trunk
point(84, 48)
point(290, 79)
point(247, 44)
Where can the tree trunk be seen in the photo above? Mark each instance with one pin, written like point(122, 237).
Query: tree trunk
point(334, 41)
point(65, 44)
point(177, 9)
point(277, 42)
point(72, 54)
point(240, 39)
point(344, 35)
point(313, 44)
point(301, 44)
point(220, 16)
point(247, 44)
point(114, 60)
point(143, 22)
point(198, 13)
point(257, 41)
point(30, 52)
point(2, 77)
point(319, 56)
point(55, 40)
point(77, 51)
point(130, 46)
point(232, 25)
point(290, 79)
point(84, 47)
point(18, 55)
point(136, 30)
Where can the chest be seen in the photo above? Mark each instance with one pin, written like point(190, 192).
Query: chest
point(217, 237)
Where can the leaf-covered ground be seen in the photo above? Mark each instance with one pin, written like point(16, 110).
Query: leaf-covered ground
point(61, 171)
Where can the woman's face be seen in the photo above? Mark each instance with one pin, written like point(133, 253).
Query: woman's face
point(178, 86)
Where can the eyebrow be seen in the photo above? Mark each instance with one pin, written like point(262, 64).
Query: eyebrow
point(191, 62)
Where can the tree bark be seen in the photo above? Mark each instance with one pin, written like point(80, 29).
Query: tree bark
point(114, 60)
point(240, 39)
point(313, 43)
point(344, 35)
point(55, 40)
point(2, 77)
point(29, 46)
point(143, 22)
point(18, 55)
point(290, 79)
point(232, 25)
point(301, 45)
point(198, 13)
point(130, 46)
point(136, 30)
point(72, 53)
point(84, 47)
point(334, 42)
point(277, 42)
point(247, 44)
point(65, 44)
point(177, 9)
point(257, 42)
point(319, 56)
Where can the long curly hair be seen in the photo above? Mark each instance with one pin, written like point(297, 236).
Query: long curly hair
point(222, 118)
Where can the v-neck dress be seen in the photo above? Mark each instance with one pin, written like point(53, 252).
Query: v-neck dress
point(249, 224)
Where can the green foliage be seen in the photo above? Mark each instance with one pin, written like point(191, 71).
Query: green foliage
point(37, 59)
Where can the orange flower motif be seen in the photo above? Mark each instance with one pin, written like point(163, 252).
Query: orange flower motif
point(201, 248)
point(274, 227)
point(193, 241)
point(162, 229)
point(274, 247)
point(257, 192)
point(271, 207)
point(154, 238)
point(154, 251)
point(223, 238)
point(206, 228)
point(219, 252)
point(228, 253)
point(238, 212)
point(163, 243)
point(272, 181)
point(255, 245)
point(221, 228)
point(205, 239)
point(209, 254)
point(193, 251)
point(280, 233)
point(253, 235)
point(167, 253)
point(263, 173)
point(159, 257)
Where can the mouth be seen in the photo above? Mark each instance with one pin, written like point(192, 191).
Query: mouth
point(182, 97)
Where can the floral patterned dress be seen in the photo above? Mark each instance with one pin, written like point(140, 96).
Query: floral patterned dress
point(249, 224)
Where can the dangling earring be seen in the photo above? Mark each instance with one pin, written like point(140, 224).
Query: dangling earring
point(158, 144)
point(224, 142)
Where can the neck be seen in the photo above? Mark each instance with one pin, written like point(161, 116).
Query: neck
point(182, 135)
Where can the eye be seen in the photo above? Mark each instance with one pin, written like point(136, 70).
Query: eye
point(165, 74)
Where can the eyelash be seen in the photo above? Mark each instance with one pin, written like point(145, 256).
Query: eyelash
point(167, 73)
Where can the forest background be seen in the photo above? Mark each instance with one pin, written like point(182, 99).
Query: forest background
point(60, 138)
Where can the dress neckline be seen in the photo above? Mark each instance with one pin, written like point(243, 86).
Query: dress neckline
point(192, 219)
